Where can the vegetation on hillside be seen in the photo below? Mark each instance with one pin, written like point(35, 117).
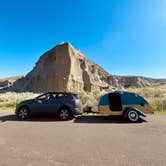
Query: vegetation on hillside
point(9, 100)
point(89, 99)
point(156, 96)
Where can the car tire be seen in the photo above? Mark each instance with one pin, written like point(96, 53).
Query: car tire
point(23, 113)
point(132, 116)
point(64, 114)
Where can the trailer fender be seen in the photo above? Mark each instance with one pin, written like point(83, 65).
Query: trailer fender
point(140, 113)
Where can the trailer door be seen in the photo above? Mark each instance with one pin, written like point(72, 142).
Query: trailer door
point(115, 103)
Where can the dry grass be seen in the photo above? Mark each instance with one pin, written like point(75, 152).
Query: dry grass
point(9, 100)
point(156, 96)
point(89, 99)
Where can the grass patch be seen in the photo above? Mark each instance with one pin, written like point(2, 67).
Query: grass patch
point(159, 106)
point(9, 100)
point(155, 95)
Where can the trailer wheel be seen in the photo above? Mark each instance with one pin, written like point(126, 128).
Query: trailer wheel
point(132, 115)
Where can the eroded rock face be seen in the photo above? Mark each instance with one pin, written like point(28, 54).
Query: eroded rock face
point(64, 68)
point(9, 81)
point(132, 81)
point(5, 83)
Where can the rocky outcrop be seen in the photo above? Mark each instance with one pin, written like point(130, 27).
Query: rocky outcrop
point(9, 81)
point(132, 81)
point(136, 81)
point(64, 68)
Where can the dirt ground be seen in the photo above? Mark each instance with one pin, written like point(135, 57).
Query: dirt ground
point(87, 140)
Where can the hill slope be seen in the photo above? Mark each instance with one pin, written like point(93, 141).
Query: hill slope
point(7, 82)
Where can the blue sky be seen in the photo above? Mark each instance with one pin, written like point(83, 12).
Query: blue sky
point(126, 37)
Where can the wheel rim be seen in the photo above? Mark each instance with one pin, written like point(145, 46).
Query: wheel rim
point(23, 113)
point(133, 116)
point(64, 114)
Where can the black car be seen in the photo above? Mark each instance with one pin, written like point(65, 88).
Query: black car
point(64, 104)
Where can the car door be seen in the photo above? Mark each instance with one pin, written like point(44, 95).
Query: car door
point(41, 104)
point(53, 104)
point(57, 102)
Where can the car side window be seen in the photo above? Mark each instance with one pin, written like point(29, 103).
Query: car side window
point(60, 96)
point(51, 96)
point(43, 97)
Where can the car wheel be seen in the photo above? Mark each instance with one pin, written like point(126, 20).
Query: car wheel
point(23, 113)
point(132, 116)
point(64, 114)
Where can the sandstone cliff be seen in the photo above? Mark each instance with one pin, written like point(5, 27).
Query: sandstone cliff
point(64, 68)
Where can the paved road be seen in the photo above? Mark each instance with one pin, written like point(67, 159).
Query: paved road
point(87, 140)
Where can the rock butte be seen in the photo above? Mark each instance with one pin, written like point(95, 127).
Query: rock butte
point(64, 68)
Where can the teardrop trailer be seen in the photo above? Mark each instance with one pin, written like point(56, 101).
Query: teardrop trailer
point(129, 105)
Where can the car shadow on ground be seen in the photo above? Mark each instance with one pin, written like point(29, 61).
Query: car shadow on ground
point(103, 119)
point(79, 119)
point(35, 118)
